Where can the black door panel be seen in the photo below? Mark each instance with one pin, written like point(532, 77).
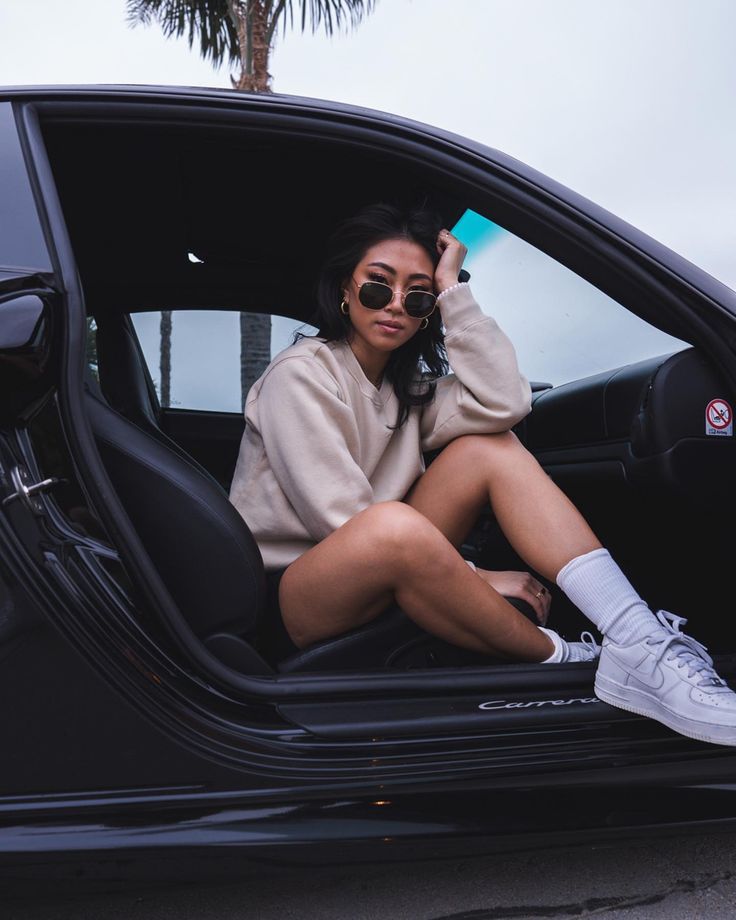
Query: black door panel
point(630, 449)
point(649, 416)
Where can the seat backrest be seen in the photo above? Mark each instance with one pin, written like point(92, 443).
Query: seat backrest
point(201, 546)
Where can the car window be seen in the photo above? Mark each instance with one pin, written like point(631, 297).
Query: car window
point(562, 326)
point(194, 356)
point(21, 238)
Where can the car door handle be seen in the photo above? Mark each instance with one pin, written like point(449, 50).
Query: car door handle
point(27, 491)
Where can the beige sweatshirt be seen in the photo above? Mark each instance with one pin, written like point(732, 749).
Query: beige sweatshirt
point(318, 446)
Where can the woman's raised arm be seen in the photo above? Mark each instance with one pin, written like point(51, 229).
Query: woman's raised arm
point(486, 393)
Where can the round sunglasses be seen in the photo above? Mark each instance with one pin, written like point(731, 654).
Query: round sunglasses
point(375, 295)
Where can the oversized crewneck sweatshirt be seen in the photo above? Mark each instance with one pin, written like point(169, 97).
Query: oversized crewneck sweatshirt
point(319, 443)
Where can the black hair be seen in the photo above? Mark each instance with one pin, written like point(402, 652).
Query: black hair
point(413, 367)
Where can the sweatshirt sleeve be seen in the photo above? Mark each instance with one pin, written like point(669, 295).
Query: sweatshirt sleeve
point(311, 442)
point(486, 393)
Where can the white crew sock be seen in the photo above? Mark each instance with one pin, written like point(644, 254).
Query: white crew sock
point(560, 645)
point(600, 590)
point(570, 651)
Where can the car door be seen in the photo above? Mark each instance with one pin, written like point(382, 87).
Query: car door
point(29, 365)
point(69, 740)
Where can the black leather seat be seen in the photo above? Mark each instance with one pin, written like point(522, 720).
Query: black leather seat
point(211, 564)
point(199, 543)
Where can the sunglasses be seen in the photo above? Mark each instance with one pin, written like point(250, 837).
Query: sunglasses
point(375, 295)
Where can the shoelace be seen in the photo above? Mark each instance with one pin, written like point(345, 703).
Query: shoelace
point(589, 642)
point(688, 651)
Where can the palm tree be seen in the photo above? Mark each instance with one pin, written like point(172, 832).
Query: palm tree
point(165, 361)
point(242, 32)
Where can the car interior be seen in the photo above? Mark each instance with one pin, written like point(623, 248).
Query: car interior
point(627, 445)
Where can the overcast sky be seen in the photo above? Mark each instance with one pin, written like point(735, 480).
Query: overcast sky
point(629, 102)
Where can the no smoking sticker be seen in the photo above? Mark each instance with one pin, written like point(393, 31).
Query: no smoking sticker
point(719, 418)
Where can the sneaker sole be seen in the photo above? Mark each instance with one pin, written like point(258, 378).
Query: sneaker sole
point(640, 704)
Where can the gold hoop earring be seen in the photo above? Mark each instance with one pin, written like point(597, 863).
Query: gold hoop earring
point(344, 308)
point(424, 323)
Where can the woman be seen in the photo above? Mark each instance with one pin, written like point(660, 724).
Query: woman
point(331, 481)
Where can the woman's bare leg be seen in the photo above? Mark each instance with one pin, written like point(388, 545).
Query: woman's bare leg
point(392, 552)
point(537, 518)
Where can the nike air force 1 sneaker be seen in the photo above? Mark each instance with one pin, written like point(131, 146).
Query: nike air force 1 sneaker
point(669, 677)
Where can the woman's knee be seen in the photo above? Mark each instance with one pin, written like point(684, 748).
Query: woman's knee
point(483, 443)
point(479, 450)
point(399, 528)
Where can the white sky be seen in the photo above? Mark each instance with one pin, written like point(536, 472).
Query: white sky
point(629, 102)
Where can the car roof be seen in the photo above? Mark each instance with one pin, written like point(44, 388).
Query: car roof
point(351, 117)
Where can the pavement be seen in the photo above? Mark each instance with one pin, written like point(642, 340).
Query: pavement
point(673, 879)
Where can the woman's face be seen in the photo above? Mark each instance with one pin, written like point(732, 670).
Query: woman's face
point(403, 265)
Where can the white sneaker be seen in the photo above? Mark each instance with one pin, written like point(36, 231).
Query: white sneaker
point(669, 677)
point(585, 650)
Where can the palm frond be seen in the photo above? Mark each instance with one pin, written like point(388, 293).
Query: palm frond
point(209, 24)
point(205, 23)
point(333, 14)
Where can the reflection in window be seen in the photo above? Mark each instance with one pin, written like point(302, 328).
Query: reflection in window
point(92, 348)
point(562, 326)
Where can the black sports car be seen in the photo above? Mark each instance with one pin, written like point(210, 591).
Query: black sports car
point(141, 714)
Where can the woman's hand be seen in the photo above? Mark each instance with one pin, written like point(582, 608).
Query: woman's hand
point(521, 585)
point(452, 255)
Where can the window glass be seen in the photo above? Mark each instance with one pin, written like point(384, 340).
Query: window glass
point(21, 237)
point(194, 356)
point(562, 326)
